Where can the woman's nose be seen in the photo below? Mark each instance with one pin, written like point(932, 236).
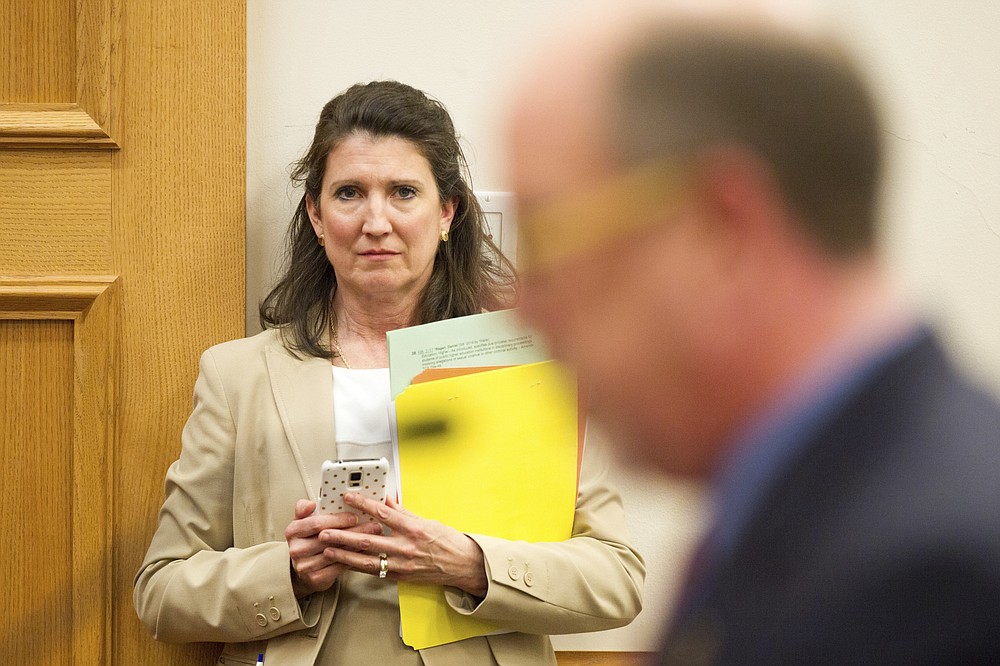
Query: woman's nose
point(376, 221)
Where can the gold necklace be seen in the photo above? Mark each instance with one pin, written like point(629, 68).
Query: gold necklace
point(336, 345)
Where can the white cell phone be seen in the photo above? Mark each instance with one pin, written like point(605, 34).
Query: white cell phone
point(365, 477)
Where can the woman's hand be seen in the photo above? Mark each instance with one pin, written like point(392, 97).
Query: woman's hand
point(311, 570)
point(417, 550)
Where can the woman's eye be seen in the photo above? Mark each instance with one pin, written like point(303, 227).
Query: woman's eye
point(406, 192)
point(347, 192)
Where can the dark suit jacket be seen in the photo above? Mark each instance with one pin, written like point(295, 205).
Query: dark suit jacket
point(879, 545)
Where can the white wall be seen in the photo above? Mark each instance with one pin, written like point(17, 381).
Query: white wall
point(937, 65)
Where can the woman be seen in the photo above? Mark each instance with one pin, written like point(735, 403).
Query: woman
point(388, 234)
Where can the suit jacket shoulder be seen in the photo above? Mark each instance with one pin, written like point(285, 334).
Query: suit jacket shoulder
point(881, 542)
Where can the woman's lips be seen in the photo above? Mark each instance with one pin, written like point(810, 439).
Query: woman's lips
point(378, 254)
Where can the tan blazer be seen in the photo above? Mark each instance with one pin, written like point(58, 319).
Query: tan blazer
point(218, 567)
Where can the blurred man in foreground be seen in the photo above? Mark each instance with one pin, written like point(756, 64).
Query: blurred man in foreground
point(698, 200)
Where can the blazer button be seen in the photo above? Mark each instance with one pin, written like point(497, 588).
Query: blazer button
point(274, 613)
point(261, 620)
point(529, 578)
point(514, 572)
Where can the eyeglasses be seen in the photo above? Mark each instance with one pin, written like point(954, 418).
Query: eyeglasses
point(578, 222)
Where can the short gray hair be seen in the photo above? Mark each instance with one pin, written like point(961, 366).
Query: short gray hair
point(802, 107)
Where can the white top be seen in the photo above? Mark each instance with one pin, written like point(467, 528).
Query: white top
point(361, 413)
point(361, 416)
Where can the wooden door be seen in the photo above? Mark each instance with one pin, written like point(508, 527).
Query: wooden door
point(122, 235)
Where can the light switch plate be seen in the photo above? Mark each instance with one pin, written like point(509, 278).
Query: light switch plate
point(501, 220)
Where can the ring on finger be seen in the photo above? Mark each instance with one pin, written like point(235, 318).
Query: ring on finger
point(383, 565)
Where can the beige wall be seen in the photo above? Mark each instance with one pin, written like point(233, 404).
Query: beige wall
point(935, 61)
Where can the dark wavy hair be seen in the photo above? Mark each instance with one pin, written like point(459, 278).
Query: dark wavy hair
point(469, 275)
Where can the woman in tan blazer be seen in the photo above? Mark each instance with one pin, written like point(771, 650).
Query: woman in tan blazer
point(388, 234)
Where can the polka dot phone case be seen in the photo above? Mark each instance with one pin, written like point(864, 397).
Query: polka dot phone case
point(365, 477)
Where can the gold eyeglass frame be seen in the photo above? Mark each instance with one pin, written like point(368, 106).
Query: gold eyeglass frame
point(578, 222)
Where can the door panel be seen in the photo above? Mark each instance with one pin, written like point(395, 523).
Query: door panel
point(46, 70)
point(36, 484)
point(56, 212)
point(122, 133)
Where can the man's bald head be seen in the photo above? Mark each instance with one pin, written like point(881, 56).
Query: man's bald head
point(697, 196)
point(683, 80)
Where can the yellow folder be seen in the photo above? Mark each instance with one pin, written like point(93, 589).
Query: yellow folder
point(491, 453)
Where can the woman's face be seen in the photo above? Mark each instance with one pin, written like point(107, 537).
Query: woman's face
point(380, 216)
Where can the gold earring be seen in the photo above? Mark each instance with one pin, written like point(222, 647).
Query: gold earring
point(444, 235)
point(322, 240)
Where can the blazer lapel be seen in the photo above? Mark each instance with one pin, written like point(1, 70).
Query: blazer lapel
point(303, 393)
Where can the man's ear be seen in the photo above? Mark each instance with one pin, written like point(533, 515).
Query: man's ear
point(744, 220)
point(739, 190)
